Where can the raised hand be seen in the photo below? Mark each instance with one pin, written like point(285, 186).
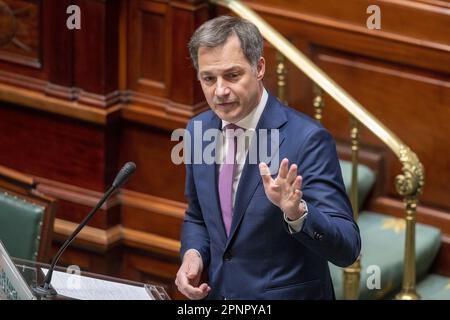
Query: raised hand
point(284, 191)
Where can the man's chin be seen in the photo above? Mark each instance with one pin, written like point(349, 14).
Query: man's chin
point(230, 116)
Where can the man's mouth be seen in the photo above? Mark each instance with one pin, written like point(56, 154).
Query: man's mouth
point(225, 105)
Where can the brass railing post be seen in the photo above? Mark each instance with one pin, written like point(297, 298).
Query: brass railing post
point(410, 185)
point(281, 77)
point(354, 135)
point(352, 274)
point(318, 102)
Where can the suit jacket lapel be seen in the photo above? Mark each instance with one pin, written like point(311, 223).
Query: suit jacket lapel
point(211, 176)
point(272, 117)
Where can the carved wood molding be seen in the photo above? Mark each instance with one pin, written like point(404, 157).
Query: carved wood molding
point(78, 195)
point(151, 242)
point(40, 101)
point(118, 235)
point(192, 5)
point(161, 113)
point(153, 204)
point(95, 236)
point(16, 176)
point(167, 118)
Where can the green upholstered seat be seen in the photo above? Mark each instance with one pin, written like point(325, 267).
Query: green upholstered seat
point(383, 245)
point(366, 180)
point(20, 226)
point(434, 287)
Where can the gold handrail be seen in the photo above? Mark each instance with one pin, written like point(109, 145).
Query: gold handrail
point(315, 74)
point(409, 184)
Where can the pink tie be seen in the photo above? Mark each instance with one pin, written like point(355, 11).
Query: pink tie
point(226, 177)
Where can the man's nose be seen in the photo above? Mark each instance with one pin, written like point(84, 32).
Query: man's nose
point(222, 88)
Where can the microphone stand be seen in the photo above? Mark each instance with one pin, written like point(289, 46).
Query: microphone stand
point(45, 289)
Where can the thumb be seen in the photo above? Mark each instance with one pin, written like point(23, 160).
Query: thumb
point(265, 174)
point(192, 271)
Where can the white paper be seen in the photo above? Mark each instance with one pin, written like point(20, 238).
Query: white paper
point(87, 288)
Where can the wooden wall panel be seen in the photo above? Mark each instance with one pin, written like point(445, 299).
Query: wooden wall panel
point(21, 41)
point(96, 57)
point(150, 149)
point(77, 63)
point(61, 41)
point(90, 260)
point(185, 20)
point(147, 213)
point(22, 51)
point(156, 56)
point(148, 47)
point(152, 49)
point(52, 146)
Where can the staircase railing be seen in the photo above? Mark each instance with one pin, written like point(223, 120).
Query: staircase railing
point(409, 184)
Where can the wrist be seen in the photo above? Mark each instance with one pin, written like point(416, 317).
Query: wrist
point(192, 254)
point(300, 211)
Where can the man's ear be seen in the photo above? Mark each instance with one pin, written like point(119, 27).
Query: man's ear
point(261, 68)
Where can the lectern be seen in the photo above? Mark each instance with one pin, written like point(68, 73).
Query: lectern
point(18, 276)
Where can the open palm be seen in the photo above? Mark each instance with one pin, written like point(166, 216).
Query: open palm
point(283, 191)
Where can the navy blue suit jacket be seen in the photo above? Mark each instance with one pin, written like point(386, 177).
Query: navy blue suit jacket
point(261, 259)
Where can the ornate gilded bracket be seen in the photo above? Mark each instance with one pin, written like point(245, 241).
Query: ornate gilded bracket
point(411, 182)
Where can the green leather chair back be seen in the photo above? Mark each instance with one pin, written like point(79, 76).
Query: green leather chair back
point(20, 226)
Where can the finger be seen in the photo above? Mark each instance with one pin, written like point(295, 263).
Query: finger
point(187, 289)
point(204, 287)
point(297, 185)
point(195, 293)
point(198, 293)
point(203, 293)
point(282, 173)
point(291, 174)
point(298, 195)
point(265, 174)
point(205, 290)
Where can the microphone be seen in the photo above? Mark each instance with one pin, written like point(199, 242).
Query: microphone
point(45, 289)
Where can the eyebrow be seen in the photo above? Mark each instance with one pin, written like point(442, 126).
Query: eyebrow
point(231, 69)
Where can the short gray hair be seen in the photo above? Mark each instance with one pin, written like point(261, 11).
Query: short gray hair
point(214, 33)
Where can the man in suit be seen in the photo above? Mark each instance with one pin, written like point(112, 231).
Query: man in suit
point(260, 234)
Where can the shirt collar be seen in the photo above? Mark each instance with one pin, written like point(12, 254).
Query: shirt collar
point(251, 120)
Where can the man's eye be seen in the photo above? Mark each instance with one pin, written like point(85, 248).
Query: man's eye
point(207, 79)
point(234, 75)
